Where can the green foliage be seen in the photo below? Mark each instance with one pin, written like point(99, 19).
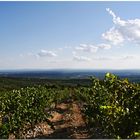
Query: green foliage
point(10, 83)
point(113, 105)
point(23, 109)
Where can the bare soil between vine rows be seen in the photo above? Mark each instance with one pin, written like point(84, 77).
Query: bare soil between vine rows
point(68, 122)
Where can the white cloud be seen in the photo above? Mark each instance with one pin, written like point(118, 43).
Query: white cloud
point(113, 36)
point(123, 30)
point(111, 13)
point(28, 55)
point(92, 48)
point(87, 48)
point(80, 58)
point(116, 19)
point(44, 53)
point(104, 46)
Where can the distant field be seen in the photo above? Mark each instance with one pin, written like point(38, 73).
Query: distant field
point(10, 83)
point(17, 79)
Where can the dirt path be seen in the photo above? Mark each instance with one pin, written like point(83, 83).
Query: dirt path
point(68, 123)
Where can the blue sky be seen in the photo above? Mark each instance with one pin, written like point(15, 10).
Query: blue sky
point(76, 35)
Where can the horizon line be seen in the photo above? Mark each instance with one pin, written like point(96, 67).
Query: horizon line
point(67, 69)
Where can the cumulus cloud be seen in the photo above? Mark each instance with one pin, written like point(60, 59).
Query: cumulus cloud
point(123, 30)
point(113, 36)
point(45, 53)
point(116, 19)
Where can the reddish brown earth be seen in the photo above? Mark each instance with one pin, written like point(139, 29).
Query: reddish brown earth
point(68, 123)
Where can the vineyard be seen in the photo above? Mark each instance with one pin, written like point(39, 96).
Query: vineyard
point(109, 106)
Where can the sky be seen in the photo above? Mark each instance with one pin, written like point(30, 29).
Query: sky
point(70, 35)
